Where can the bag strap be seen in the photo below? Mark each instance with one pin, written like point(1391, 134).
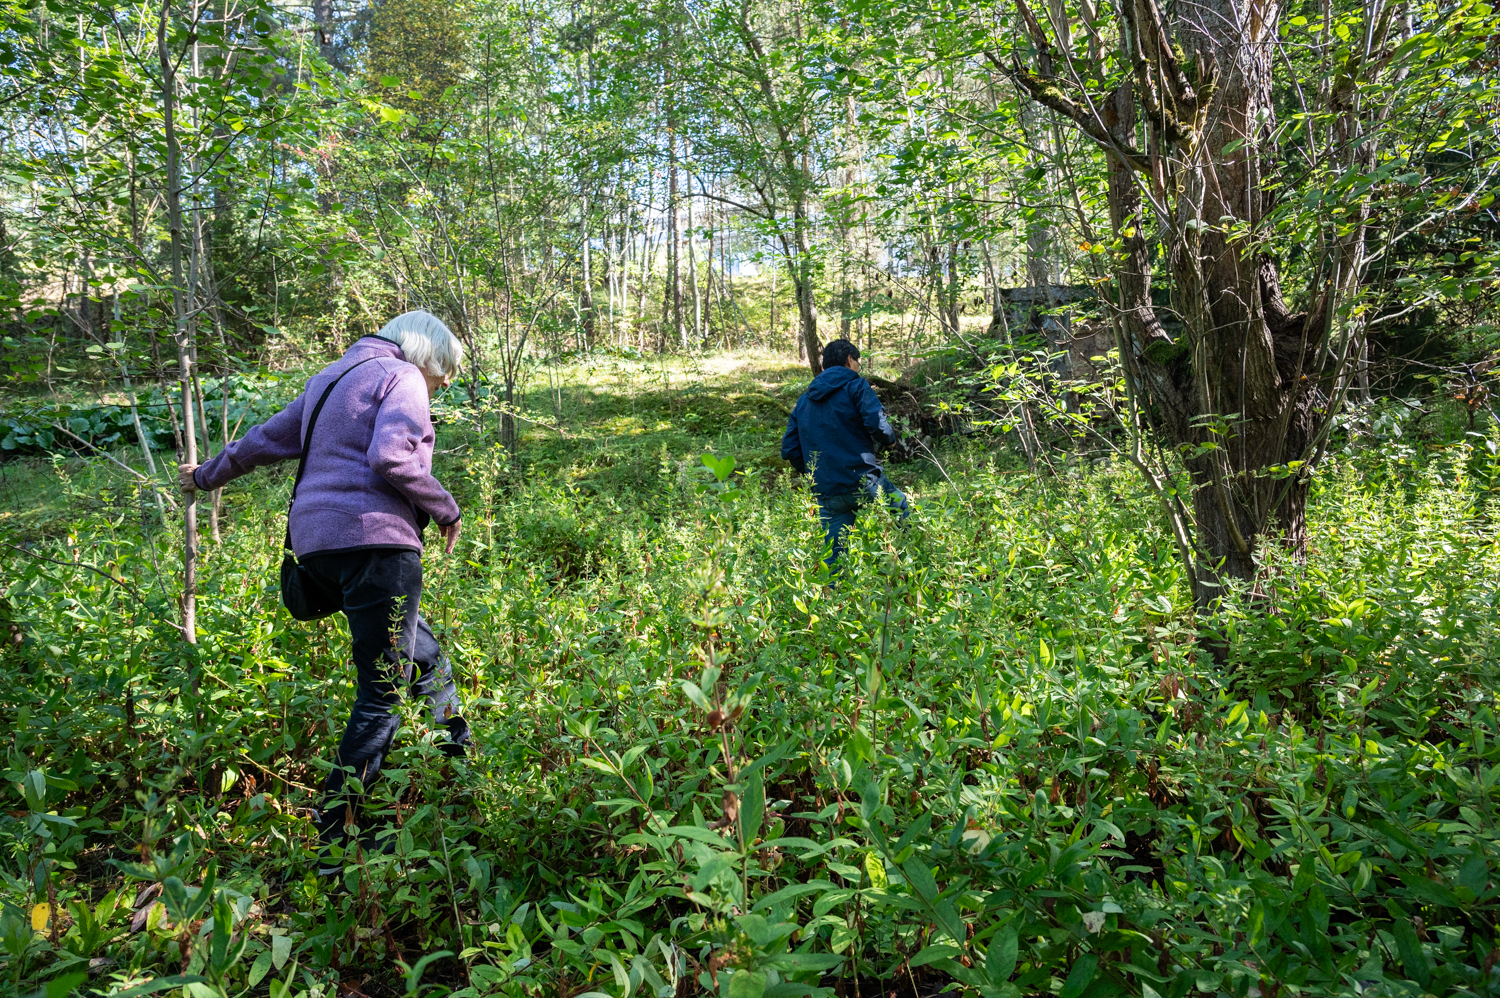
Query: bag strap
point(307, 440)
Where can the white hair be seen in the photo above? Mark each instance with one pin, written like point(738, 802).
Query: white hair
point(426, 342)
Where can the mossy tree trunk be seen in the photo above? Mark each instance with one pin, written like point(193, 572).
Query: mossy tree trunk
point(1246, 392)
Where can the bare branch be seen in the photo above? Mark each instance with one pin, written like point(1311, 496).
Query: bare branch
point(110, 457)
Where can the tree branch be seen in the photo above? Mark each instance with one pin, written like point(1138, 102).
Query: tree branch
point(1049, 96)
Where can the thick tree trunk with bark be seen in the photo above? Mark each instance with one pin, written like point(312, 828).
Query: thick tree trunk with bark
point(1246, 389)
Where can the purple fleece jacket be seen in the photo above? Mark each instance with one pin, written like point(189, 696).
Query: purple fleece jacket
point(370, 461)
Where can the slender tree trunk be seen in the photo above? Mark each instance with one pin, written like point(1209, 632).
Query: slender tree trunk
point(807, 310)
point(713, 289)
point(692, 261)
point(586, 295)
point(648, 250)
point(674, 245)
point(181, 321)
point(802, 286)
point(954, 303)
point(207, 451)
point(774, 330)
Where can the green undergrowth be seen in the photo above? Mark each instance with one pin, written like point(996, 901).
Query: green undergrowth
point(992, 755)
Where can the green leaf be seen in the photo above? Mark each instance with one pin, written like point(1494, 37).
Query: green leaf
point(722, 467)
point(747, 984)
point(860, 745)
point(920, 878)
point(1080, 977)
point(875, 870)
point(807, 961)
point(1000, 959)
point(260, 968)
point(958, 971)
point(1412, 958)
point(281, 950)
point(1429, 891)
point(792, 891)
point(914, 830)
point(160, 984)
point(697, 834)
point(696, 695)
point(61, 987)
point(752, 808)
point(414, 976)
point(950, 919)
point(937, 951)
point(34, 787)
point(617, 966)
point(1475, 873)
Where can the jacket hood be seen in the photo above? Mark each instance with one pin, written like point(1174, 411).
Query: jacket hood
point(831, 380)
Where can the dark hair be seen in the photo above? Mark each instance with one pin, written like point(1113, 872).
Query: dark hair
point(838, 352)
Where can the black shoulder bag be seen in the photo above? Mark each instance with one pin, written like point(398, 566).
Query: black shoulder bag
point(301, 594)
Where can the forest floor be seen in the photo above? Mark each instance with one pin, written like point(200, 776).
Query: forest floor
point(993, 753)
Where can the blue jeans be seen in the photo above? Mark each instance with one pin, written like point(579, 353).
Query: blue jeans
point(838, 512)
point(392, 648)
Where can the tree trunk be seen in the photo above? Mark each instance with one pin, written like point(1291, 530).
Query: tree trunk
point(586, 294)
point(182, 335)
point(673, 300)
point(1239, 392)
point(1232, 306)
point(773, 331)
point(692, 260)
point(802, 285)
point(954, 303)
point(326, 26)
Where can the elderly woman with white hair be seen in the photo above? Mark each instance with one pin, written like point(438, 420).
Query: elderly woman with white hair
point(364, 495)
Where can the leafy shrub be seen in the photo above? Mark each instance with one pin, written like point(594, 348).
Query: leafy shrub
point(994, 756)
point(562, 544)
point(31, 427)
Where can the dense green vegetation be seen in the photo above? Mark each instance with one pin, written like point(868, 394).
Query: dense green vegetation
point(994, 754)
point(1179, 681)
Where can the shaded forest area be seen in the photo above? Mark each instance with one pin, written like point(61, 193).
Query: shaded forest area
point(1180, 680)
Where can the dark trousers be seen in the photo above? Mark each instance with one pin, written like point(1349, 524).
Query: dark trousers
point(839, 512)
point(394, 650)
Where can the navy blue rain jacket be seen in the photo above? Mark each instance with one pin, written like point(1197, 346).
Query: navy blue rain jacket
point(836, 426)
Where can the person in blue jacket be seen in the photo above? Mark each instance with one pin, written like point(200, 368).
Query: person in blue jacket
point(835, 428)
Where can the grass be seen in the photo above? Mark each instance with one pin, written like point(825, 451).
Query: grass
point(993, 756)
